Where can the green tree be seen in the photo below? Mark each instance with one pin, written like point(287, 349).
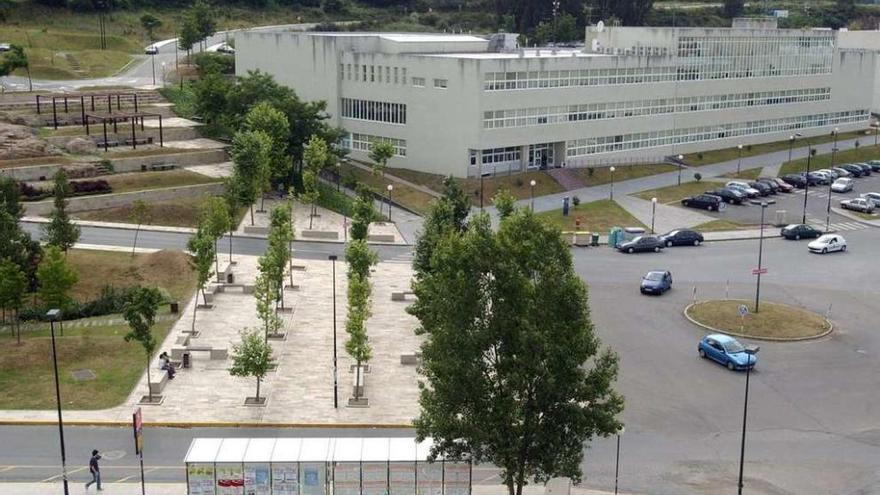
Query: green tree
point(268, 119)
point(252, 357)
point(150, 23)
point(250, 157)
point(733, 8)
point(13, 285)
point(310, 194)
point(201, 14)
point(188, 36)
point(266, 293)
point(360, 258)
point(10, 196)
point(562, 29)
point(16, 58)
point(278, 246)
point(140, 313)
point(504, 202)
point(362, 215)
point(380, 153)
point(216, 221)
point(230, 199)
point(60, 231)
point(56, 279)
point(357, 346)
point(514, 374)
point(17, 245)
point(140, 214)
point(210, 94)
point(201, 245)
point(448, 215)
point(317, 157)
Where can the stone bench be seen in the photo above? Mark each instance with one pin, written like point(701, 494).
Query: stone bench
point(254, 230)
point(146, 140)
point(401, 295)
point(182, 340)
point(218, 354)
point(411, 358)
point(224, 274)
point(245, 288)
point(156, 387)
point(162, 166)
point(380, 238)
point(320, 234)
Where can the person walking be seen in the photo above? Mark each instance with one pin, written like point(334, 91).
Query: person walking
point(95, 470)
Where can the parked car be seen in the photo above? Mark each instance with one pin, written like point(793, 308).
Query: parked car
point(833, 173)
point(815, 179)
point(224, 48)
point(858, 204)
point(728, 195)
point(866, 169)
point(855, 171)
point(750, 191)
point(827, 178)
point(798, 231)
point(781, 184)
point(704, 201)
point(875, 165)
point(726, 350)
point(842, 185)
point(774, 187)
point(151, 50)
point(765, 188)
point(795, 180)
point(656, 282)
point(827, 243)
point(842, 172)
point(872, 197)
point(682, 237)
point(640, 244)
point(5, 47)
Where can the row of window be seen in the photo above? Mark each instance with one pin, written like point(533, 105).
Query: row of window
point(607, 144)
point(525, 117)
point(725, 46)
point(364, 142)
point(497, 155)
point(373, 73)
point(419, 82)
point(374, 111)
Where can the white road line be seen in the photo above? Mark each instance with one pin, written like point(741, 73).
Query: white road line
point(60, 475)
point(146, 471)
point(7, 468)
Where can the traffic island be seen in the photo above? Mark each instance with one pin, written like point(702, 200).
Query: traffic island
point(774, 321)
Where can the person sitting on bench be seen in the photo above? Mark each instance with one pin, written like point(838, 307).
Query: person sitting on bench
point(165, 364)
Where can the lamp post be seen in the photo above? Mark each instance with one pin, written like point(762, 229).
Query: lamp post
point(828, 205)
point(790, 146)
point(617, 461)
point(653, 212)
point(740, 159)
point(390, 188)
point(742, 448)
point(612, 169)
point(876, 128)
point(680, 159)
point(52, 315)
point(532, 193)
point(806, 177)
point(333, 258)
point(763, 205)
point(153, 62)
point(163, 74)
point(481, 184)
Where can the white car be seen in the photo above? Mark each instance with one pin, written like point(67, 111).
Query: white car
point(825, 175)
point(833, 173)
point(225, 48)
point(151, 50)
point(827, 243)
point(842, 185)
point(858, 204)
point(744, 187)
point(5, 47)
point(872, 197)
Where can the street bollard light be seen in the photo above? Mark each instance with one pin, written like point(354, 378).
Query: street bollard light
point(790, 146)
point(828, 205)
point(806, 176)
point(332, 259)
point(763, 205)
point(740, 159)
point(390, 188)
point(153, 62)
point(55, 315)
point(653, 212)
point(612, 169)
point(617, 461)
point(532, 193)
point(680, 161)
point(742, 448)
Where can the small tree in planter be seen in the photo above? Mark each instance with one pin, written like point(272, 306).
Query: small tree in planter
point(140, 214)
point(266, 292)
point(252, 357)
point(140, 313)
point(698, 176)
point(201, 245)
point(357, 345)
point(380, 153)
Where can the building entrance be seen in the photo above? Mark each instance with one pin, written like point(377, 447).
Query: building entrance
point(541, 156)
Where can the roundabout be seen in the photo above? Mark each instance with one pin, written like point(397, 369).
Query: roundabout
point(774, 322)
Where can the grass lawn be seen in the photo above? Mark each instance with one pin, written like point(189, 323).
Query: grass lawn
point(750, 174)
point(778, 321)
point(517, 184)
point(673, 194)
point(720, 225)
point(412, 198)
point(595, 216)
point(861, 154)
point(182, 212)
point(602, 175)
point(727, 154)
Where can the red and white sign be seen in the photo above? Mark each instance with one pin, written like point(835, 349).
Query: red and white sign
point(759, 271)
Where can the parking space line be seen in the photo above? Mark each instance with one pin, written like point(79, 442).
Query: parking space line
point(62, 474)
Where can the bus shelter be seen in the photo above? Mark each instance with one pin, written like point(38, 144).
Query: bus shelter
point(321, 466)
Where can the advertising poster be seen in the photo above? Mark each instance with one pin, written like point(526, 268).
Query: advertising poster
point(312, 479)
point(457, 478)
point(256, 480)
point(403, 478)
point(201, 479)
point(285, 479)
point(375, 478)
point(346, 478)
point(430, 478)
point(230, 480)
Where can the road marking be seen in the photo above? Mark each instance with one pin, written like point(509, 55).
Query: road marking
point(61, 475)
point(146, 471)
point(7, 468)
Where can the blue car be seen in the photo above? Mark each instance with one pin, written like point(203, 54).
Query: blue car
point(656, 282)
point(727, 351)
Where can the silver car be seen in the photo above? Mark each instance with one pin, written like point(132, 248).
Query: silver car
point(858, 204)
point(842, 185)
point(872, 197)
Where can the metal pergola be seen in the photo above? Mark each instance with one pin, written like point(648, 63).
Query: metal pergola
point(66, 98)
point(134, 118)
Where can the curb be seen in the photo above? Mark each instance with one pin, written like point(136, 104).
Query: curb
point(854, 218)
point(206, 424)
point(752, 337)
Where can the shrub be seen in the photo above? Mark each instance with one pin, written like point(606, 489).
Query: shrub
point(590, 171)
point(31, 193)
point(575, 200)
point(699, 156)
point(89, 187)
point(697, 176)
point(857, 144)
point(111, 300)
point(519, 182)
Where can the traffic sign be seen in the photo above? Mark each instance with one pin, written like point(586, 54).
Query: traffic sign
point(743, 310)
point(138, 425)
point(759, 271)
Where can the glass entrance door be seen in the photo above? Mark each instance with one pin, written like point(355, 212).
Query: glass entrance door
point(541, 156)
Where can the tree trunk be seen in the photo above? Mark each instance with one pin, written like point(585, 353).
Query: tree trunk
point(231, 233)
point(18, 326)
point(258, 390)
point(30, 82)
point(195, 308)
point(204, 296)
point(149, 381)
point(217, 261)
point(311, 216)
point(281, 292)
point(290, 262)
point(357, 383)
point(252, 214)
point(134, 245)
point(263, 201)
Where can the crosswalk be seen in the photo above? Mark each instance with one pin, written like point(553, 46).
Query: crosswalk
point(819, 223)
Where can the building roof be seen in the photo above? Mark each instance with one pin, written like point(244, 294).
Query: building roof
point(405, 37)
point(524, 53)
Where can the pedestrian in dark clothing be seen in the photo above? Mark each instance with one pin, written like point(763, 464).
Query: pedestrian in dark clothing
point(95, 470)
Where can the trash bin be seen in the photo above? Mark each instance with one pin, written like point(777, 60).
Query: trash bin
point(594, 239)
point(780, 218)
point(185, 359)
point(230, 278)
point(175, 307)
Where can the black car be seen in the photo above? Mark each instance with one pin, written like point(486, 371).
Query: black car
point(818, 179)
point(641, 244)
point(728, 195)
point(781, 184)
point(800, 231)
point(866, 169)
point(795, 180)
point(771, 184)
point(704, 201)
point(682, 237)
point(856, 171)
point(875, 165)
point(762, 188)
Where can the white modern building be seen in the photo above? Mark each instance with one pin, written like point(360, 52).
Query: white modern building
point(462, 105)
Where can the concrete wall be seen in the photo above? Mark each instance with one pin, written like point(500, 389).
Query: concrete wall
point(864, 40)
point(97, 132)
point(85, 203)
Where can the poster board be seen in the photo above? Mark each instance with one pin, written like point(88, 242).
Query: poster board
point(375, 478)
point(429, 479)
point(346, 478)
point(230, 479)
point(402, 478)
point(285, 479)
point(313, 476)
point(200, 479)
point(256, 479)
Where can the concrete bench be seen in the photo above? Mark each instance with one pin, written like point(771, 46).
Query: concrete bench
point(380, 238)
point(156, 387)
point(225, 275)
point(254, 230)
point(182, 340)
point(320, 234)
point(215, 353)
point(244, 288)
point(401, 296)
point(147, 140)
point(162, 166)
point(411, 358)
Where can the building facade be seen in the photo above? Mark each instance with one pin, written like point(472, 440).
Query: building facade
point(465, 105)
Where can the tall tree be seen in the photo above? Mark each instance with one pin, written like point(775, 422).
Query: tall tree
point(278, 246)
point(252, 357)
point(17, 245)
point(140, 214)
point(250, 156)
point(360, 258)
point(56, 279)
point(13, 285)
point(201, 14)
point(317, 157)
point(150, 23)
point(514, 374)
point(266, 293)
point(140, 313)
point(216, 221)
point(230, 199)
point(362, 215)
point(201, 245)
point(10, 196)
point(447, 215)
point(357, 346)
point(188, 36)
point(60, 231)
point(16, 58)
point(271, 121)
point(380, 153)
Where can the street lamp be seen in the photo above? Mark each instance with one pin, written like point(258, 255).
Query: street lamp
point(763, 205)
point(739, 161)
point(153, 61)
point(680, 161)
point(390, 188)
point(828, 206)
point(653, 212)
point(742, 448)
point(617, 462)
point(163, 74)
point(806, 177)
point(333, 258)
point(790, 146)
point(53, 315)
point(532, 193)
point(612, 169)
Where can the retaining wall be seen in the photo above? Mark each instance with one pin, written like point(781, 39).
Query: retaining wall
point(97, 132)
point(43, 208)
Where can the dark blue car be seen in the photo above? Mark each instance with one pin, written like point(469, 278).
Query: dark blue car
point(656, 282)
point(727, 351)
